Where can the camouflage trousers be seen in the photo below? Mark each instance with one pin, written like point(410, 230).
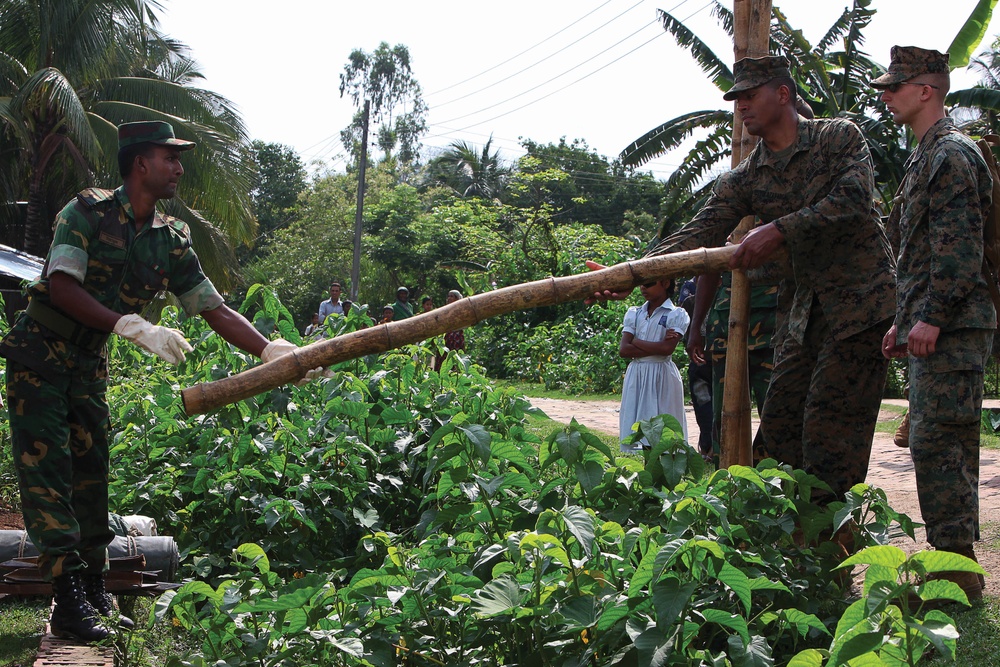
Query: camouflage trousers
point(823, 403)
point(59, 433)
point(700, 386)
point(946, 396)
point(760, 365)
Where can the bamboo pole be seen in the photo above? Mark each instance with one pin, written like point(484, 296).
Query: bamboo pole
point(751, 38)
point(463, 313)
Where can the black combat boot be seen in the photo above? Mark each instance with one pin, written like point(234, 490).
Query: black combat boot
point(73, 617)
point(101, 600)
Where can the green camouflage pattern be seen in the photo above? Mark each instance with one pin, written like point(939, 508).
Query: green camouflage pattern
point(823, 403)
point(760, 365)
point(946, 396)
point(56, 389)
point(819, 195)
point(57, 424)
point(763, 316)
point(939, 266)
point(907, 62)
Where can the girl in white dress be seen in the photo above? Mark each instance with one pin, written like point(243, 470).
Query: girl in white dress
point(652, 382)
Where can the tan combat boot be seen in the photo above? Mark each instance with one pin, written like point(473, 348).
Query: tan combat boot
point(902, 436)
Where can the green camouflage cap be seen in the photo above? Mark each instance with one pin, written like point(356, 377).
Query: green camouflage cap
point(910, 61)
point(152, 132)
point(753, 72)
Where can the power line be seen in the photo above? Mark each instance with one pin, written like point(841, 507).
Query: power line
point(558, 90)
point(514, 57)
point(539, 62)
point(558, 76)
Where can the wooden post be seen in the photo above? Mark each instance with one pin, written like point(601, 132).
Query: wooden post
point(751, 38)
point(360, 211)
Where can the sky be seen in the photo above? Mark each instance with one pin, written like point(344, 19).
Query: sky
point(604, 71)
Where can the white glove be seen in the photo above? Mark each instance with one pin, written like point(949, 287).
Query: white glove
point(281, 347)
point(166, 343)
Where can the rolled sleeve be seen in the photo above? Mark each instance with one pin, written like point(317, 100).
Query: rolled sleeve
point(202, 297)
point(65, 258)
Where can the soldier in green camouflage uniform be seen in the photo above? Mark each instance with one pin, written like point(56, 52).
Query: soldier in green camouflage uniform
point(713, 309)
point(810, 183)
point(945, 316)
point(111, 253)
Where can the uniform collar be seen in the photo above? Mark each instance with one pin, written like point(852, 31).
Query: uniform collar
point(936, 131)
point(158, 219)
point(805, 131)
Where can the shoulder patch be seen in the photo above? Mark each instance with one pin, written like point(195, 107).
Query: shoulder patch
point(91, 197)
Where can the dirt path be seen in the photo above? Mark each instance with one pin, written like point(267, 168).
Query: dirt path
point(890, 469)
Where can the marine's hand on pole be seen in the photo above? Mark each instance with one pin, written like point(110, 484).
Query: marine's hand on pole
point(166, 343)
point(757, 247)
point(606, 295)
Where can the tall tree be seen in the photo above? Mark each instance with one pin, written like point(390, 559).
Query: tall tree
point(470, 171)
point(398, 111)
point(280, 179)
point(70, 72)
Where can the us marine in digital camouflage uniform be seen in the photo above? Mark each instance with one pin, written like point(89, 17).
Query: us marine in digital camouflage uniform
point(810, 182)
point(944, 314)
point(111, 253)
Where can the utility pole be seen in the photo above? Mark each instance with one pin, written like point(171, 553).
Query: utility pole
point(359, 213)
point(751, 38)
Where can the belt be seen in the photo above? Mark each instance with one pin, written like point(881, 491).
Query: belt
point(89, 339)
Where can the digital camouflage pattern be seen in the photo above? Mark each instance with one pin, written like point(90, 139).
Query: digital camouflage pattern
point(940, 281)
point(823, 403)
point(823, 400)
point(937, 226)
point(946, 395)
point(910, 61)
point(57, 402)
point(750, 73)
point(819, 195)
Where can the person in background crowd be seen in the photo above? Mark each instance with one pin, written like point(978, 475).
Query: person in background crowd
point(426, 304)
point(333, 304)
point(402, 308)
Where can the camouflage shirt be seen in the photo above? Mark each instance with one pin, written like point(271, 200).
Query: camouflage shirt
point(763, 316)
point(937, 227)
point(96, 242)
point(818, 193)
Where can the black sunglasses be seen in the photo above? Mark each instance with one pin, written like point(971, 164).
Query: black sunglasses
point(648, 285)
point(894, 87)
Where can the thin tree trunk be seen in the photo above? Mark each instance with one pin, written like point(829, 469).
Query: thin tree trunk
point(751, 39)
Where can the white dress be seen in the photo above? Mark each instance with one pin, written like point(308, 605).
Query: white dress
point(652, 384)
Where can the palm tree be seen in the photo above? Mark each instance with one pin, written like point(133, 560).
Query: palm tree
point(469, 171)
point(832, 76)
point(70, 72)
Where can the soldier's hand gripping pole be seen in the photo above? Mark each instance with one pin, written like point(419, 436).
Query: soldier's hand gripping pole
point(459, 315)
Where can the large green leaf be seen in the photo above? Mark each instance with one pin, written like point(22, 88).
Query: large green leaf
point(500, 596)
point(971, 34)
